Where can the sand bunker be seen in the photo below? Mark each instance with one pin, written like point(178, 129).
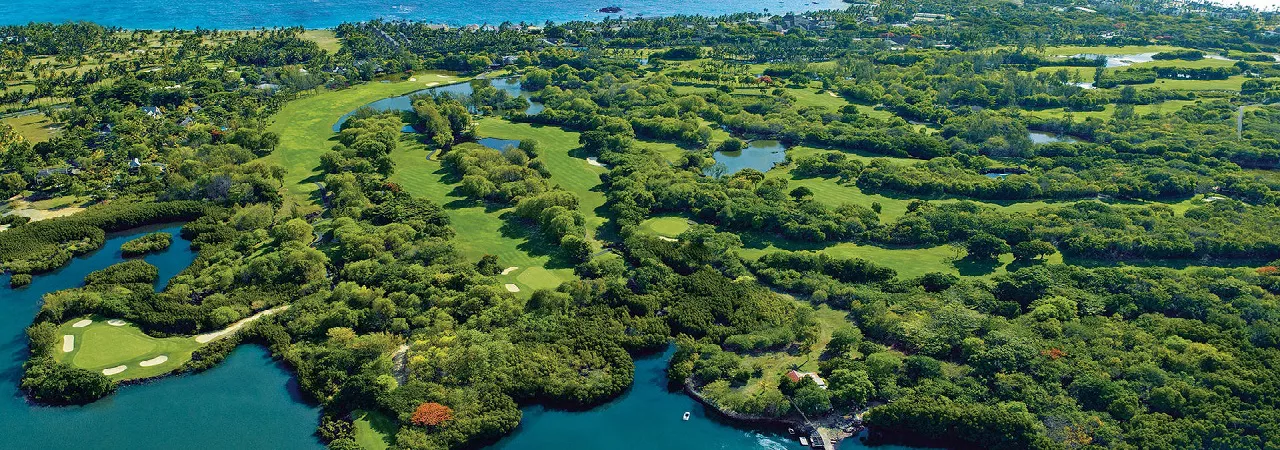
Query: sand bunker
point(413, 79)
point(154, 361)
point(116, 323)
point(595, 162)
point(433, 84)
point(833, 94)
point(82, 323)
point(667, 239)
point(114, 370)
point(68, 343)
point(508, 270)
point(512, 288)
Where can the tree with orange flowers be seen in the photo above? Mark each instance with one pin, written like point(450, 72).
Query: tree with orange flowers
point(431, 414)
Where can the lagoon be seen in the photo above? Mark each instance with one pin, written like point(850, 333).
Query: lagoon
point(246, 14)
point(249, 400)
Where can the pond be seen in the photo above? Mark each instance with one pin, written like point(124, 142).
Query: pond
point(498, 144)
point(760, 155)
point(404, 103)
point(1040, 137)
point(1120, 60)
point(248, 393)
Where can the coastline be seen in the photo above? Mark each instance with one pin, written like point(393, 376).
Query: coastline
point(787, 422)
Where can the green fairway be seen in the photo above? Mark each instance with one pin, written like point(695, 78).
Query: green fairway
point(479, 231)
point(374, 430)
point(34, 127)
point(555, 148)
point(666, 226)
point(101, 346)
point(305, 127)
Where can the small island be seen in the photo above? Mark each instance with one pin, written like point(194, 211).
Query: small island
point(150, 243)
point(610, 10)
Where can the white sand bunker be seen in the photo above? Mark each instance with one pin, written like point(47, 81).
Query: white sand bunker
point(68, 343)
point(833, 94)
point(664, 238)
point(154, 361)
point(116, 323)
point(595, 162)
point(442, 76)
point(512, 288)
point(508, 270)
point(413, 79)
point(82, 323)
point(114, 370)
point(433, 83)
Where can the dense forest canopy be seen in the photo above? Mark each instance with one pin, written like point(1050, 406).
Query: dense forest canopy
point(995, 224)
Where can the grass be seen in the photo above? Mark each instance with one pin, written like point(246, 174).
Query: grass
point(34, 127)
point(669, 226)
point(326, 39)
point(305, 127)
point(908, 262)
point(374, 430)
point(1108, 111)
point(101, 346)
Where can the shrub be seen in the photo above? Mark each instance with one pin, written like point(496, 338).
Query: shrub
point(150, 243)
point(19, 280)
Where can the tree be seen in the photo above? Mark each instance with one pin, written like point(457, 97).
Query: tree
point(801, 193)
point(850, 387)
point(985, 247)
point(812, 399)
point(1032, 249)
point(431, 414)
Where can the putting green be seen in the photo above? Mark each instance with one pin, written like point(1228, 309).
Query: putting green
point(108, 346)
point(101, 346)
point(666, 226)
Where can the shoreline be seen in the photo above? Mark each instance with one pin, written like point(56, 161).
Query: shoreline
point(787, 422)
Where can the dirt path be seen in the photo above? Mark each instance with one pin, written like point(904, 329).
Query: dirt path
point(400, 364)
point(209, 337)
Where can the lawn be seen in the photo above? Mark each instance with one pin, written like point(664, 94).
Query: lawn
point(909, 262)
point(326, 39)
point(374, 430)
point(101, 346)
point(305, 127)
point(35, 127)
point(1069, 50)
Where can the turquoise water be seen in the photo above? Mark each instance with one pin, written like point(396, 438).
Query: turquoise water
point(248, 400)
point(759, 155)
point(646, 417)
point(404, 103)
point(245, 14)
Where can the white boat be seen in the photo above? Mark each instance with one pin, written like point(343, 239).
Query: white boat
point(686, 415)
point(804, 441)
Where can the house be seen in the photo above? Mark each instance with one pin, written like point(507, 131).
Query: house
point(509, 60)
point(797, 376)
point(186, 122)
point(151, 111)
point(1083, 9)
point(50, 171)
point(928, 17)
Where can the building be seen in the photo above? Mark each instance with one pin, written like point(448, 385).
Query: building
point(797, 376)
point(151, 111)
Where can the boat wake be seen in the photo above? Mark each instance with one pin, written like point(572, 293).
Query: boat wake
point(768, 443)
